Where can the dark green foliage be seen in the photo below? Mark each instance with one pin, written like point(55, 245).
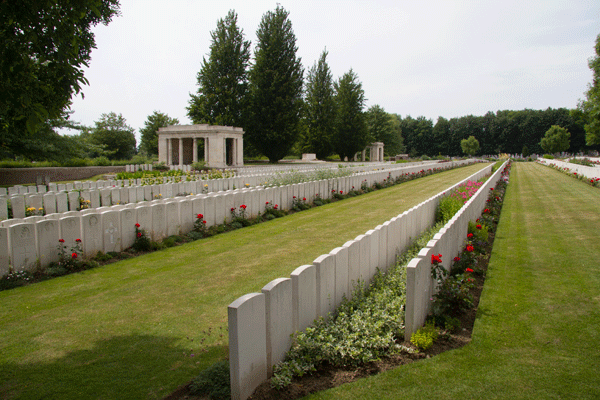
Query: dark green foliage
point(588, 110)
point(149, 133)
point(319, 110)
point(384, 127)
point(222, 80)
point(555, 140)
point(351, 134)
point(213, 382)
point(275, 87)
point(113, 133)
point(470, 146)
point(45, 44)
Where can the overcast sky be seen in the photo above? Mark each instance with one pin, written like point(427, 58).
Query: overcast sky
point(430, 58)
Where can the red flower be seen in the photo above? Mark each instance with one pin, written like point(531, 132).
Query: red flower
point(469, 235)
point(469, 270)
point(139, 234)
point(267, 203)
point(456, 259)
point(275, 206)
point(491, 188)
point(232, 209)
point(478, 227)
point(204, 222)
point(137, 225)
point(199, 216)
point(487, 210)
point(341, 192)
point(244, 206)
point(61, 240)
point(74, 255)
point(304, 199)
point(78, 240)
point(470, 248)
point(294, 197)
point(436, 259)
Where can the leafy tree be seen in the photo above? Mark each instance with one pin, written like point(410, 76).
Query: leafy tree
point(223, 79)
point(351, 134)
point(470, 146)
point(275, 87)
point(555, 140)
point(319, 109)
point(591, 106)
point(44, 46)
point(441, 136)
point(149, 133)
point(383, 127)
point(112, 132)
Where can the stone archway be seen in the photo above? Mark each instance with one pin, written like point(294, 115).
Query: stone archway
point(223, 145)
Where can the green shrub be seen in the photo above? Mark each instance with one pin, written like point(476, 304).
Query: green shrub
point(448, 206)
point(199, 165)
point(453, 297)
point(423, 338)
point(549, 156)
point(213, 382)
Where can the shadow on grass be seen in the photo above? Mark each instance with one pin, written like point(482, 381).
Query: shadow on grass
point(122, 367)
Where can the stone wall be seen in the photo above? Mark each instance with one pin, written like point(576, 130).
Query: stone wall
point(20, 176)
point(260, 324)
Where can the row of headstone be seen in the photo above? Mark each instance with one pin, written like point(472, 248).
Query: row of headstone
point(96, 194)
point(448, 242)
point(138, 167)
point(582, 170)
point(261, 324)
point(159, 217)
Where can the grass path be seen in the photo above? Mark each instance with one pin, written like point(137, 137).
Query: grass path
point(537, 333)
point(141, 327)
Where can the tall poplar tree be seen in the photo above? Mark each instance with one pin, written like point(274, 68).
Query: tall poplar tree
point(351, 135)
point(320, 109)
point(275, 87)
point(223, 79)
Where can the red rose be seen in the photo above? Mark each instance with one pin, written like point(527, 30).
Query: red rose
point(204, 222)
point(61, 240)
point(470, 248)
point(469, 235)
point(456, 259)
point(74, 255)
point(139, 234)
point(436, 259)
point(478, 227)
point(341, 192)
point(200, 216)
point(469, 270)
point(275, 206)
point(232, 209)
point(304, 199)
point(78, 240)
point(137, 225)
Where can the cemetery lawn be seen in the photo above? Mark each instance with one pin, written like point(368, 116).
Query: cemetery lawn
point(139, 328)
point(537, 331)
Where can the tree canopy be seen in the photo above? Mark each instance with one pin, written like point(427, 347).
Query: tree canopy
point(470, 146)
point(319, 111)
point(590, 108)
point(275, 87)
point(351, 134)
point(45, 44)
point(555, 140)
point(223, 79)
point(149, 133)
point(384, 127)
point(113, 133)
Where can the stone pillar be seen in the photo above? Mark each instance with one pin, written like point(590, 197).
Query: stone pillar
point(363, 155)
point(195, 151)
point(169, 151)
point(180, 153)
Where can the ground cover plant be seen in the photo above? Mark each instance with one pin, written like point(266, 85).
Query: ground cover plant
point(537, 330)
point(148, 324)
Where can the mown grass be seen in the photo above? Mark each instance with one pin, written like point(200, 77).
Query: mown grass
point(140, 327)
point(537, 333)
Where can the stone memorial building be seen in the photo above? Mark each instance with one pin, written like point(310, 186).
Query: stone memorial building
point(223, 145)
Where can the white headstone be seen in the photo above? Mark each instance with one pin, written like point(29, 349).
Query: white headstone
point(47, 234)
point(4, 251)
point(159, 223)
point(325, 276)
point(304, 297)
point(278, 305)
point(3, 208)
point(92, 234)
point(18, 206)
point(23, 246)
point(73, 201)
point(144, 218)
